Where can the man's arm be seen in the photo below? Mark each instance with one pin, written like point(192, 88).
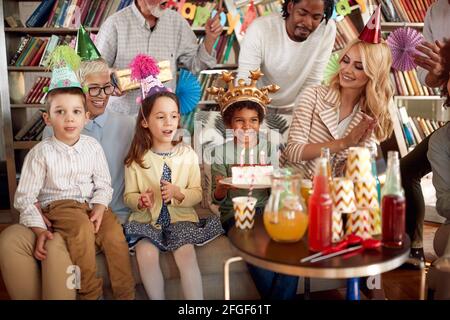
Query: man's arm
point(322, 59)
point(193, 56)
point(250, 55)
point(439, 157)
point(429, 62)
point(106, 41)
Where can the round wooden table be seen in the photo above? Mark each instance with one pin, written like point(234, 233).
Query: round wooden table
point(257, 248)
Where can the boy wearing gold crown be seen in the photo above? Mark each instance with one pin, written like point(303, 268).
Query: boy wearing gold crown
point(72, 190)
point(243, 108)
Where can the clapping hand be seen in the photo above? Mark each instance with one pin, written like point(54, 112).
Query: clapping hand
point(147, 199)
point(170, 191)
point(361, 131)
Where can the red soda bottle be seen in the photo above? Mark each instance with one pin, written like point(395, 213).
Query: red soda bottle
point(393, 205)
point(320, 209)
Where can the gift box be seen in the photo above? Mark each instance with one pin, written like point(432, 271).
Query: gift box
point(122, 78)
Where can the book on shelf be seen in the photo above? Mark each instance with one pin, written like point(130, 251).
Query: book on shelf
point(34, 120)
point(23, 42)
point(414, 129)
point(36, 92)
point(413, 11)
point(39, 17)
point(89, 13)
point(406, 127)
point(407, 83)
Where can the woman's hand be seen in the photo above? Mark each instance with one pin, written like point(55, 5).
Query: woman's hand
point(213, 29)
point(431, 61)
point(360, 132)
point(221, 188)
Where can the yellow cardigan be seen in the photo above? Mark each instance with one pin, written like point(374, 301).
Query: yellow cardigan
point(185, 174)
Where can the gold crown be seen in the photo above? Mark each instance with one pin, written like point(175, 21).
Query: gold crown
point(243, 91)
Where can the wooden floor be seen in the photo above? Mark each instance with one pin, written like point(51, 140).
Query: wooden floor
point(399, 284)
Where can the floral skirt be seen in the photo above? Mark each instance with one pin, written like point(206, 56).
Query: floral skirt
point(174, 235)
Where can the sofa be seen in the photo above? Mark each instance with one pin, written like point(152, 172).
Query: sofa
point(209, 131)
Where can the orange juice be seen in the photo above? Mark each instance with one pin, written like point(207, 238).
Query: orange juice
point(288, 226)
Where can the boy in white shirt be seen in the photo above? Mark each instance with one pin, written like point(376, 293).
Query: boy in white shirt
point(67, 174)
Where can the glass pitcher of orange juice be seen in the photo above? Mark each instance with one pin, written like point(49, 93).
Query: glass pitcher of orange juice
point(285, 217)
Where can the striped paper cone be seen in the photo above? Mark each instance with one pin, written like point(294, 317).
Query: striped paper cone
point(337, 227)
point(244, 212)
point(343, 195)
point(375, 220)
point(366, 193)
point(359, 164)
point(358, 224)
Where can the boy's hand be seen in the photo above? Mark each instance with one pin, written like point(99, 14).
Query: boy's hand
point(40, 252)
point(221, 188)
point(96, 216)
point(170, 191)
point(44, 217)
point(147, 199)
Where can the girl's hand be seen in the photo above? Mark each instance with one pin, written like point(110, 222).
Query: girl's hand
point(147, 199)
point(170, 191)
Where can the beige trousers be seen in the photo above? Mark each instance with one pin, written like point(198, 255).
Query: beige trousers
point(27, 278)
point(71, 219)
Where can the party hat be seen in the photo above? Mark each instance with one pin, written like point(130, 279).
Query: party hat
point(144, 69)
point(85, 47)
point(64, 62)
point(372, 31)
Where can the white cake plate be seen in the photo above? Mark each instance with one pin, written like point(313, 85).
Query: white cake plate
point(244, 186)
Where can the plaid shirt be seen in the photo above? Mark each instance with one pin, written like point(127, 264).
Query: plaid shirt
point(126, 33)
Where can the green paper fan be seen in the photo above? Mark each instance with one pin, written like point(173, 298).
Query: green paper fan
point(331, 69)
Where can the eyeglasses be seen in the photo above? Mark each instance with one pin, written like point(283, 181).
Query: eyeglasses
point(95, 91)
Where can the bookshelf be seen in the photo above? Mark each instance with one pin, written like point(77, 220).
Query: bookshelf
point(14, 112)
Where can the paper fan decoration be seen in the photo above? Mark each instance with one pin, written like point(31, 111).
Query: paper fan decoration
point(188, 91)
point(403, 42)
point(331, 69)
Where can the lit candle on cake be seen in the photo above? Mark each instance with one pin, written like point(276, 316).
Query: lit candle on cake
point(262, 157)
point(251, 157)
point(242, 157)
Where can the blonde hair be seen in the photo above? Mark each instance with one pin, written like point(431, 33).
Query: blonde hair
point(91, 66)
point(376, 60)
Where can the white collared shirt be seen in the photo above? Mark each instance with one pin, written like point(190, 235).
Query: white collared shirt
point(55, 171)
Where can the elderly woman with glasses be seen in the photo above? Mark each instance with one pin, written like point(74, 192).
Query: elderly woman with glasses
point(24, 276)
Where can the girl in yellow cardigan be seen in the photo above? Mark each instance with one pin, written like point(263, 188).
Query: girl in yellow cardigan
point(162, 184)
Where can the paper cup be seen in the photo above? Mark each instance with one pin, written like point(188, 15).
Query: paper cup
point(244, 212)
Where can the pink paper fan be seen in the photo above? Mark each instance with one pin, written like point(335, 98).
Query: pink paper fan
point(403, 42)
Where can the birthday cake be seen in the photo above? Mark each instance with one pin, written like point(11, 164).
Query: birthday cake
point(252, 174)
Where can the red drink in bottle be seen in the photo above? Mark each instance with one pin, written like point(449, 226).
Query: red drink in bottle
point(393, 205)
point(393, 220)
point(320, 209)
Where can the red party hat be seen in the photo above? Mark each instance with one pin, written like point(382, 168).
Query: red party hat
point(372, 31)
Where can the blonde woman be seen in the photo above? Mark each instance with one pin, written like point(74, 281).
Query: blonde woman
point(351, 111)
